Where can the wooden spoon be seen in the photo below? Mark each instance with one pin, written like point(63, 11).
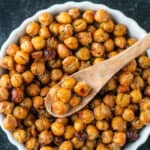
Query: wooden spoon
point(99, 74)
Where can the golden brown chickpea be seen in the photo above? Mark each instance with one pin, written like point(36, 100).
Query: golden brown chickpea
point(111, 85)
point(147, 91)
point(71, 42)
point(131, 41)
point(44, 32)
point(31, 144)
point(56, 74)
point(28, 76)
point(24, 38)
point(6, 107)
point(118, 124)
point(29, 121)
point(102, 125)
point(26, 46)
point(95, 103)
point(45, 18)
point(44, 78)
point(138, 83)
point(78, 144)
point(92, 132)
point(119, 138)
point(90, 144)
point(146, 73)
point(136, 96)
point(82, 89)
point(86, 116)
point(100, 35)
point(74, 101)
point(118, 110)
point(20, 68)
point(108, 26)
point(128, 115)
point(145, 104)
point(107, 136)
point(101, 147)
point(16, 80)
point(63, 121)
point(5, 81)
point(88, 16)
point(10, 122)
point(64, 18)
point(120, 42)
point(7, 62)
point(57, 128)
point(54, 28)
point(55, 63)
point(109, 100)
point(45, 137)
point(58, 107)
point(79, 25)
point(27, 103)
point(12, 49)
point(145, 117)
point(74, 12)
point(38, 42)
point(38, 102)
point(113, 53)
point(97, 49)
point(91, 28)
point(101, 16)
point(109, 45)
point(101, 112)
point(84, 64)
point(97, 60)
point(78, 124)
point(46, 148)
point(4, 94)
point(70, 64)
point(68, 82)
point(83, 53)
point(20, 135)
point(120, 30)
point(69, 132)
point(33, 90)
point(53, 91)
point(44, 91)
point(21, 57)
point(126, 78)
point(123, 89)
point(123, 100)
point(32, 28)
point(131, 67)
point(66, 145)
point(144, 62)
point(137, 124)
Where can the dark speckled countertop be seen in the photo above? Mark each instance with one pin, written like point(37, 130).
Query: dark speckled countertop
point(13, 12)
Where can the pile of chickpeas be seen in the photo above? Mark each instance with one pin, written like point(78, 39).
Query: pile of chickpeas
point(67, 95)
point(58, 45)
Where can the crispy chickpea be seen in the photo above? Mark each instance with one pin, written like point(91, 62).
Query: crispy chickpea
point(12, 49)
point(5, 81)
point(32, 28)
point(69, 132)
point(45, 18)
point(38, 42)
point(145, 117)
point(79, 25)
point(101, 147)
point(74, 101)
point(88, 16)
point(33, 89)
point(131, 67)
point(54, 28)
point(20, 68)
point(136, 96)
point(119, 138)
point(38, 102)
point(28, 76)
point(113, 53)
point(90, 144)
point(44, 32)
point(100, 35)
point(145, 104)
point(24, 38)
point(107, 136)
point(10, 122)
point(79, 125)
point(64, 121)
point(66, 145)
point(70, 64)
point(20, 135)
point(46, 148)
point(128, 115)
point(120, 42)
point(131, 41)
point(118, 124)
point(118, 110)
point(16, 80)
point(82, 88)
point(144, 62)
point(4, 94)
point(57, 128)
point(97, 49)
point(21, 57)
point(108, 26)
point(101, 16)
point(101, 112)
point(109, 45)
point(6, 107)
point(56, 74)
point(92, 132)
point(126, 78)
point(138, 83)
point(44, 78)
point(84, 64)
point(120, 30)
point(7, 62)
point(74, 12)
point(97, 60)
point(53, 91)
point(91, 28)
point(45, 137)
point(29, 121)
point(63, 17)
point(109, 100)
point(68, 82)
point(71, 43)
point(123, 89)
point(147, 91)
point(78, 144)
point(31, 144)
point(95, 103)
point(86, 115)
point(26, 46)
point(146, 73)
point(102, 125)
point(58, 107)
point(111, 85)
point(83, 53)
point(55, 63)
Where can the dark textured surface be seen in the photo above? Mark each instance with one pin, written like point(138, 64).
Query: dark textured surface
point(13, 12)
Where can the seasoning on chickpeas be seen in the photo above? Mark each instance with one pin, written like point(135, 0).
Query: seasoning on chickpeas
point(32, 28)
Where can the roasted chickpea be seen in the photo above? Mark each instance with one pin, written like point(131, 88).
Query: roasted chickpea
point(31, 144)
point(54, 28)
point(109, 100)
point(38, 102)
point(5, 81)
point(12, 49)
point(66, 145)
point(138, 83)
point(144, 62)
point(26, 46)
point(84, 64)
point(6, 107)
point(92, 132)
point(95, 103)
point(101, 147)
point(136, 96)
point(38, 42)
point(55, 63)
point(20, 68)
point(7, 62)
point(100, 35)
point(126, 78)
point(120, 42)
point(63, 18)
point(64, 121)
point(68, 82)
point(108, 26)
point(70, 64)
point(88, 16)
point(91, 28)
point(107, 136)
point(74, 101)
point(119, 138)
point(131, 41)
point(44, 32)
point(33, 89)
point(45, 137)
point(79, 125)
point(28, 76)
point(128, 115)
point(79, 25)
point(21, 57)
point(46, 148)
point(145, 117)
point(56, 74)
point(74, 12)
point(71, 42)
point(109, 45)
point(32, 28)
point(120, 30)
point(131, 67)
point(102, 125)
point(24, 38)
point(78, 144)
point(83, 53)
point(20, 135)
point(45, 18)
point(69, 132)
point(16, 80)
point(118, 110)
point(97, 60)
point(113, 53)
point(4, 94)
point(147, 91)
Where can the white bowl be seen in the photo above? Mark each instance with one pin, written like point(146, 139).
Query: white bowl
point(134, 30)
